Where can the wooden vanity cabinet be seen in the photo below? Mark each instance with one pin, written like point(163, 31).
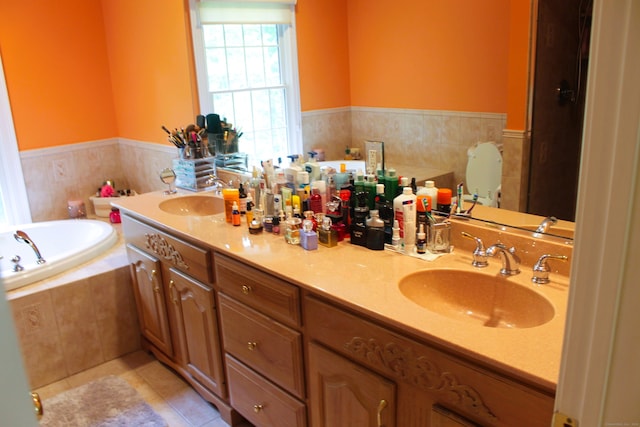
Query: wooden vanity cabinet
point(176, 301)
point(355, 363)
point(260, 323)
point(148, 291)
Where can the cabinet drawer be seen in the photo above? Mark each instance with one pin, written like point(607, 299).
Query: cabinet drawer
point(270, 348)
point(184, 256)
point(267, 294)
point(259, 401)
point(484, 396)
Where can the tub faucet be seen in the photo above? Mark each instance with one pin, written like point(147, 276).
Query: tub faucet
point(510, 261)
point(22, 237)
point(546, 224)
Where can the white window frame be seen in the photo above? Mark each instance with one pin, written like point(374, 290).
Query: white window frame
point(12, 187)
point(289, 70)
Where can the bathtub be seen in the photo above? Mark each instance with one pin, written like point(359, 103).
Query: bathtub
point(64, 244)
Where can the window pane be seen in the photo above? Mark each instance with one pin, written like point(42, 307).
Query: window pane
point(255, 67)
point(233, 35)
point(270, 35)
point(252, 35)
point(217, 69)
point(237, 67)
point(272, 66)
point(213, 35)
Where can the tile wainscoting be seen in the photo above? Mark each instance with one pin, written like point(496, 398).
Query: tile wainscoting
point(437, 139)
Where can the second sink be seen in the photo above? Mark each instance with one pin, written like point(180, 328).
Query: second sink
point(477, 298)
point(193, 205)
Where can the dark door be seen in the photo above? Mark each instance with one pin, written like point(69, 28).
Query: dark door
point(562, 47)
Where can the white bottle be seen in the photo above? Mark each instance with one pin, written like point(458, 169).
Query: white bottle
point(404, 210)
point(430, 190)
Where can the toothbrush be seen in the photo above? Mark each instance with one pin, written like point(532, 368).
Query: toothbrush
point(459, 200)
point(475, 201)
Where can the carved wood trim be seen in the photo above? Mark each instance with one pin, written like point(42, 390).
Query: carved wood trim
point(161, 247)
point(420, 372)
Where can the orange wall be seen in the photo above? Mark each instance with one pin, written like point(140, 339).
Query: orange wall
point(81, 70)
point(55, 65)
point(441, 55)
point(149, 62)
point(518, 84)
point(323, 53)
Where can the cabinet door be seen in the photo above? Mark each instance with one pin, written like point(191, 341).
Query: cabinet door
point(345, 394)
point(197, 330)
point(149, 295)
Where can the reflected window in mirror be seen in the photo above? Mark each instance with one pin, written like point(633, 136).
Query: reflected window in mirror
point(247, 73)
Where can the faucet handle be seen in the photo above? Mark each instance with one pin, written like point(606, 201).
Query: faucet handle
point(479, 254)
point(541, 268)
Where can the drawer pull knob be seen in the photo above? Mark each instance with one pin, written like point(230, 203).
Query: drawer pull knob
point(252, 345)
point(381, 406)
point(156, 288)
point(257, 408)
point(171, 288)
point(246, 289)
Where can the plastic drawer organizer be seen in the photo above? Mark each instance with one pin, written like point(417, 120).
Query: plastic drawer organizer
point(194, 174)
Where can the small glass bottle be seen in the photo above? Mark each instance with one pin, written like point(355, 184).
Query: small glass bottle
point(292, 230)
point(308, 237)
point(421, 240)
point(375, 232)
point(326, 235)
point(235, 214)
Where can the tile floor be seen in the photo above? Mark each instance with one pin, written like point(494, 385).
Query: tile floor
point(169, 395)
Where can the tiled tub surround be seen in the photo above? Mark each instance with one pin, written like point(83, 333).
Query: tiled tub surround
point(436, 139)
point(77, 319)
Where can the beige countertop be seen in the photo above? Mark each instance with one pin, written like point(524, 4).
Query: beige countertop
point(367, 281)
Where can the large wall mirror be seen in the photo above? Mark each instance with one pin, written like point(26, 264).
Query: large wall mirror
point(550, 113)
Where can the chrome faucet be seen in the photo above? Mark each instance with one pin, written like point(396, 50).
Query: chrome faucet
point(546, 224)
point(510, 261)
point(479, 254)
point(22, 237)
point(541, 268)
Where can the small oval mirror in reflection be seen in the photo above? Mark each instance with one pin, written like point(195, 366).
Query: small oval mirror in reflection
point(168, 176)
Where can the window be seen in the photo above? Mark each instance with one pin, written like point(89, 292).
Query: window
point(247, 73)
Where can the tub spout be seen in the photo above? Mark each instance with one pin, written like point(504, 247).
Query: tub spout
point(23, 237)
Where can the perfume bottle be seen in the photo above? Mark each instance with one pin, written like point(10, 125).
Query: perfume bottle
point(292, 230)
point(327, 236)
point(308, 237)
point(358, 224)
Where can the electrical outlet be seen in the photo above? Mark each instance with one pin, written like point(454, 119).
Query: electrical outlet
point(60, 169)
point(561, 420)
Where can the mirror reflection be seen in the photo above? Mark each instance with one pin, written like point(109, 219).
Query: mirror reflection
point(433, 81)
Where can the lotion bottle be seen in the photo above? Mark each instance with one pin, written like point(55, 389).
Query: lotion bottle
point(400, 212)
